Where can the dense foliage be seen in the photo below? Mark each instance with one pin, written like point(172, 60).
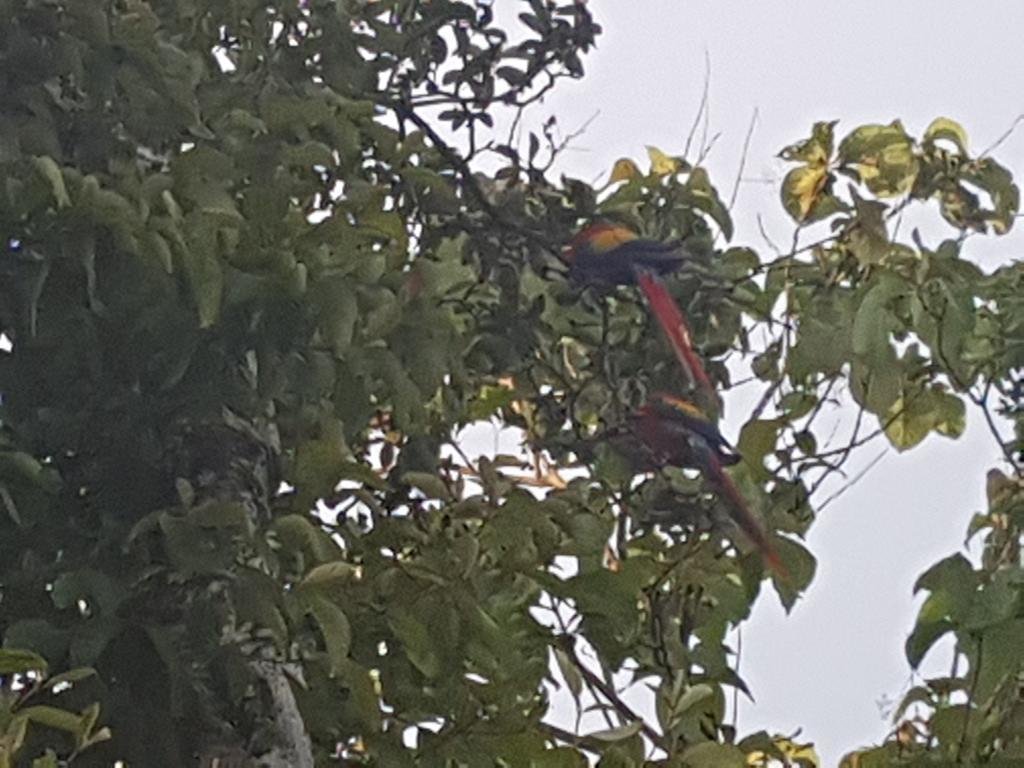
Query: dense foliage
point(254, 290)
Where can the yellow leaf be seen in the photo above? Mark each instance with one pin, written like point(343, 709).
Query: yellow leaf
point(662, 164)
point(803, 755)
point(813, 151)
point(801, 189)
point(624, 170)
point(944, 128)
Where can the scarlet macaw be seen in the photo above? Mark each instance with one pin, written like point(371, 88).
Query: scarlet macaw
point(609, 254)
point(675, 432)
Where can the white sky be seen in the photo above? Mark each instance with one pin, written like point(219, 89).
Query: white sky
point(825, 667)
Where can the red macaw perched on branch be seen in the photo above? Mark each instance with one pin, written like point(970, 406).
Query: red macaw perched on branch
point(675, 432)
point(609, 254)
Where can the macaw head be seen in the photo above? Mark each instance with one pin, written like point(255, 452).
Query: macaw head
point(598, 238)
point(665, 414)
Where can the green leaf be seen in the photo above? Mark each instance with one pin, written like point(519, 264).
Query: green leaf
point(624, 170)
point(53, 717)
point(874, 323)
point(620, 733)
point(298, 533)
point(997, 181)
point(338, 313)
point(801, 565)
point(758, 439)
point(204, 272)
point(705, 198)
point(710, 754)
point(882, 157)
point(998, 660)
point(692, 696)
point(432, 486)
point(319, 464)
point(417, 643)
point(570, 673)
point(447, 269)
point(15, 662)
point(334, 628)
point(917, 413)
point(47, 168)
point(954, 573)
point(922, 638)
point(48, 760)
point(866, 232)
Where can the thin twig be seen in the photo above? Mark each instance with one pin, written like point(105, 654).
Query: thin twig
point(972, 691)
point(704, 148)
point(1006, 134)
point(700, 107)
point(609, 693)
point(853, 481)
point(556, 149)
point(567, 633)
point(982, 402)
point(778, 251)
point(743, 159)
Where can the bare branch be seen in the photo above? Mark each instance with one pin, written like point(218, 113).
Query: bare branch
point(701, 108)
point(1005, 135)
point(568, 644)
point(743, 159)
point(853, 481)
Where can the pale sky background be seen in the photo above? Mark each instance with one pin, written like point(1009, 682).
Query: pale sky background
point(825, 667)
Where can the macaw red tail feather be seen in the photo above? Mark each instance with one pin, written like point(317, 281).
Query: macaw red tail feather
point(672, 322)
point(745, 519)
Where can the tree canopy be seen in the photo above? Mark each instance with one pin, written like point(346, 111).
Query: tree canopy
point(255, 284)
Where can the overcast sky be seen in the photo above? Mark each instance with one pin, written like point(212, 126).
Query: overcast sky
point(826, 667)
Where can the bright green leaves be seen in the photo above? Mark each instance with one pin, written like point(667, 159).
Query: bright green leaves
point(689, 187)
point(920, 411)
point(887, 162)
point(881, 157)
point(942, 128)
